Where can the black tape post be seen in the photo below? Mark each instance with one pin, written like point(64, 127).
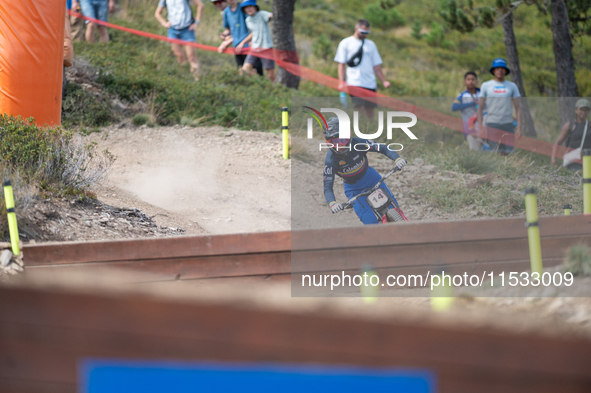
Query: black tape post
point(531, 190)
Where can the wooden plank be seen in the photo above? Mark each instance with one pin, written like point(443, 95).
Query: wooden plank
point(155, 248)
point(437, 232)
point(419, 255)
point(416, 259)
point(191, 268)
point(43, 335)
point(369, 236)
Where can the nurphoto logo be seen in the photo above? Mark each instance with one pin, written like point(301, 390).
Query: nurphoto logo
point(345, 127)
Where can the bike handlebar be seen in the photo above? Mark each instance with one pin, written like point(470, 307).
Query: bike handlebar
point(349, 203)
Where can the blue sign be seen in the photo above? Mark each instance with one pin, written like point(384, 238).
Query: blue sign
point(113, 376)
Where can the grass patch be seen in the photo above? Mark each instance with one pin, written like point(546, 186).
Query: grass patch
point(493, 184)
point(143, 118)
point(578, 260)
point(82, 108)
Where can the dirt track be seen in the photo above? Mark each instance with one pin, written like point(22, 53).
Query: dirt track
point(217, 181)
point(204, 180)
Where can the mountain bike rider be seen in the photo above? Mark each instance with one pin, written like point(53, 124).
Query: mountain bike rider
point(353, 167)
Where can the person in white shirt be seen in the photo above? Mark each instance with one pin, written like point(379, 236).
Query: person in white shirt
point(359, 61)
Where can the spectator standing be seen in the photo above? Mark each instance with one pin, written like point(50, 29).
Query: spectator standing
point(360, 62)
point(181, 26)
point(236, 30)
point(499, 94)
point(96, 9)
point(76, 24)
point(576, 135)
point(257, 23)
point(466, 103)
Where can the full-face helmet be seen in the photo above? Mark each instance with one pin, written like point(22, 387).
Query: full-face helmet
point(339, 146)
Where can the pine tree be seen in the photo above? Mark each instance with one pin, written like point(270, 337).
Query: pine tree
point(466, 19)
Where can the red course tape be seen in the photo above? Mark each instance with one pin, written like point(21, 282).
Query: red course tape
point(289, 61)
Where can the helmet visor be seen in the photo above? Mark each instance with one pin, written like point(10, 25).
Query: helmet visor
point(338, 142)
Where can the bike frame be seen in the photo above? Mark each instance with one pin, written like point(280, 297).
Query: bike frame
point(383, 218)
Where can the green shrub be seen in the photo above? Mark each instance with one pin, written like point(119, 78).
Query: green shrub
point(226, 114)
point(416, 30)
point(436, 37)
point(384, 19)
point(50, 155)
point(140, 119)
point(24, 146)
point(323, 47)
point(578, 260)
point(79, 107)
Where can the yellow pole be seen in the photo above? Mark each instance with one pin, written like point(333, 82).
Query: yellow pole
point(285, 131)
point(587, 181)
point(442, 296)
point(369, 292)
point(533, 230)
point(567, 209)
point(12, 226)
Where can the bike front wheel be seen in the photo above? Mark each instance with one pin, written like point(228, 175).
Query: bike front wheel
point(394, 215)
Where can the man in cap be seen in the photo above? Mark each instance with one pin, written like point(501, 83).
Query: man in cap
point(359, 61)
point(499, 95)
point(576, 135)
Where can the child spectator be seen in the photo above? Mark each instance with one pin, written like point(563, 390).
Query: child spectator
point(235, 32)
point(260, 38)
point(181, 26)
point(466, 103)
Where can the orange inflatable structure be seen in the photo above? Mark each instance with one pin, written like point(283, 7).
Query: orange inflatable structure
point(31, 59)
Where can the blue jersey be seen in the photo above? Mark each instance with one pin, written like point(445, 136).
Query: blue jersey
point(467, 104)
point(353, 167)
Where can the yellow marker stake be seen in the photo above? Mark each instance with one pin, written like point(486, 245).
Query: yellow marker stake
point(285, 131)
point(442, 295)
point(369, 292)
point(533, 230)
point(12, 226)
point(567, 209)
point(587, 181)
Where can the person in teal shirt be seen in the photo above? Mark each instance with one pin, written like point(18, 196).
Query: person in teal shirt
point(235, 26)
